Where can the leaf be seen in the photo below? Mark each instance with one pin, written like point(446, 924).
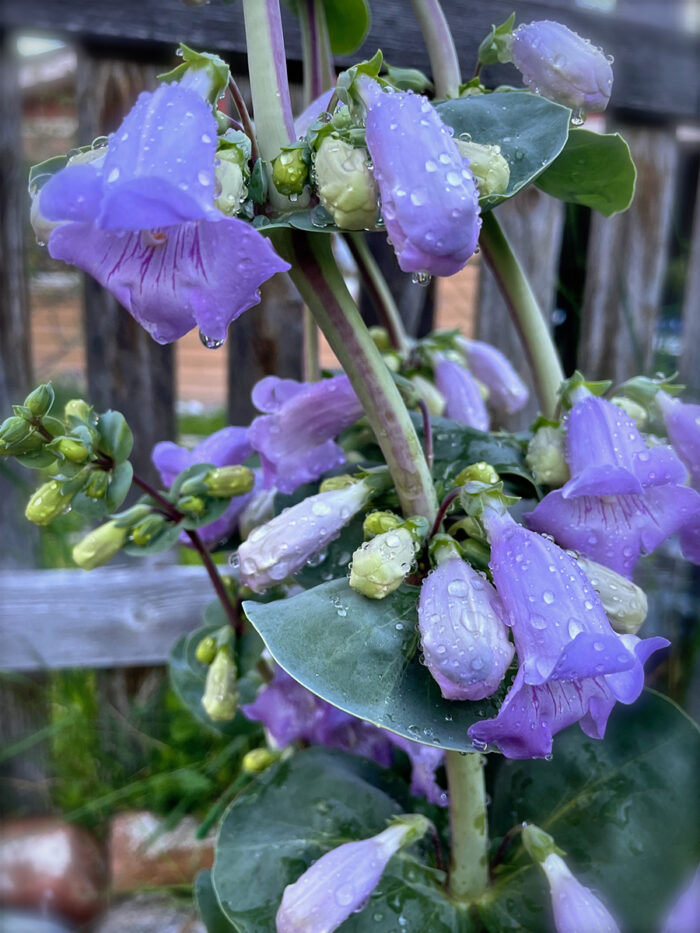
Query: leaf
point(593, 169)
point(297, 811)
point(348, 24)
point(624, 809)
point(360, 655)
point(530, 130)
point(119, 485)
point(212, 916)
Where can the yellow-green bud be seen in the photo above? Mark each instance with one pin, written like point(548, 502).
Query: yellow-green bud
point(72, 450)
point(14, 430)
point(290, 172)
point(77, 408)
point(376, 523)
point(545, 456)
point(477, 473)
point(191, 505)
point(147, 529)
point(380, 566)
point(220, 699)
point(206, 650)
point(230, 182)
point(538, 843)
point(337, 482)
point(392, 361)
point(226, 482)
point(100, 546)
point(345, 185)
point(47, 503)
point(624, 602)
point(380, 336)
point(432, 397)
point(257, 760)
point(97, 485)
point(637, 412)
point(490, 170)
point(40, 400)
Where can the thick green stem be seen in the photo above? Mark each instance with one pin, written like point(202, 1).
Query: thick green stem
point(525, 312)
point(310, 357)
point(315, 49)
point(378, 290)
point(469, 871)
point(442, 53)
point(316, 275)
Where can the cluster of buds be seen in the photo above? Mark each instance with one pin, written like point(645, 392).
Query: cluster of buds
point(220, 697)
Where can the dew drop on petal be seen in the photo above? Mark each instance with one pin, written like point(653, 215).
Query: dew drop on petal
point(211, 343)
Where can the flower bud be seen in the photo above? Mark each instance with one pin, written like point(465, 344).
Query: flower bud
point(624, 602)
point(13, 431)
point(380, 566)
point(258, 760)
point(336, 482)
point(539, 844)
point(229, 481)
point(72, 450)
point(345, 185)
point(230, 183)
point(77, 408)
point(290, 172)
point(40, 400)
point(380, 338)
point(220, 699)
point(97, 485)
point(481, 472)
point(545, 456)
point(148, 529)
point(100, 546)
point(636, 412)
point(47, 503)
point(206, 650)
point(490, 170)
point(430, 394)
point(377, 523)
point(191, 505)
point(575, 906)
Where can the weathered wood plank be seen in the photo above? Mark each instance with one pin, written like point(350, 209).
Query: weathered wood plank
point(626, 263)
point(110, 617)
point(640, 48)
point(533, 223)
point(690, 356)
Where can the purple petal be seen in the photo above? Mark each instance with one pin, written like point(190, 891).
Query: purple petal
point(690, 539)
point(507, 391)
point(170, 459)
point(560, 65)
point(227, 447)
point(159, 169)
point(429, 198)
point(615, 530)
point(683, 426)
point(312, 112)
point(659, 466)
point(288, 711)
point(685, 913)
point(425, 760)
point(223, 527)
point(465, 642)
point(576, 908)
point(271, 393)
point(463, 401)
point(73, 194)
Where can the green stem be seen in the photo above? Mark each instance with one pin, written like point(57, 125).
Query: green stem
point(442, 53)
point(315, 49)
point(378, 290)
point(525, 312)
point(310, 356)
point(318, 279)
point(468, 825)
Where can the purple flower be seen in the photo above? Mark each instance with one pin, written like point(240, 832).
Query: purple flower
point(425, 760)
point(429, 198)
point(227, 447)
point(507, 391)
point(464, 640)
point(683, 425)
point(276, 550)
point(142, 221)
point(295, 435)
point(623, 499)
point(576, 908)
point(685, 914)
point(312, 113)
point(341, 881)
point(573, 667)
point(558, 64)
point(463, 401)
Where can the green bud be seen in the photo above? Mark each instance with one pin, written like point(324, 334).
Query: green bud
point(72, 450)
point(258, 760)
point(345, 185)
point(380, 337)
point(442, 548)
point(148, 529)
point(97, 485)
point(376, 523)
point(545, 456)
point(337, 482)
point(78, 408)
point(100, 546)
point(538, 843)
point(413, 825)
point(380, 566)
point(39, 401)
point(226, 482)
point(206, 650)
point(191, 505)
point(14, 430)
point(490, 170)
point(220, 699)
point(477, 473)
point(47, 503)
point(392, 361)
point(432, 396)
point(636, 412)
point(230, 181)
point(624, 602)
point(290, 171)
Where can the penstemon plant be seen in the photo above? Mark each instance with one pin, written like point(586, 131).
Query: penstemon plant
point(390, 610)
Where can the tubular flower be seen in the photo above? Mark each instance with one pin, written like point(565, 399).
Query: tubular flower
point(463, 401)
point(683, 425)
point(575, 906)
point(507, 391)
point(573, 667)
point(558, 64)
point(464, 640)
point(141, 220)
point(295, 435)
point(623, 499)
point(684, 914)
point(429, 198)
point(275, 551)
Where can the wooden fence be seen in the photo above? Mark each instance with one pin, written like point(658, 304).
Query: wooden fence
point(608, 280)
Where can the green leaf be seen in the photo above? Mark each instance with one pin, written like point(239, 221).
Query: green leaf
point(593, 169)
point(212, 916)
point(625, 810)
point(360, 655)
point(530, 130)
point(496, 46)
point(348, 24)
point(119, 485)
point(116, 438)
point(297, 811)
point(409, 79)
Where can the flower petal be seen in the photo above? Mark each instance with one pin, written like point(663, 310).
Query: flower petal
point(683, 425)
point(74, 194)
point(170, 459)
point(463, 401)
point(576, 908)
point(507, 391)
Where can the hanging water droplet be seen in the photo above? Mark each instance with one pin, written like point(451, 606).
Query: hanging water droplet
point(211, 343)
point(577, 117)
point(421, 278)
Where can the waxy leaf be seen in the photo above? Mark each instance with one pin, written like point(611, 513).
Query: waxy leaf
point(593, 169)
point(212, 916)
point(530, 130)
point(348, 24)
point(361, 655)
point(298, 811)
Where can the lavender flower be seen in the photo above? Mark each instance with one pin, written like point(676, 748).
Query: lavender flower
point(295, 435)
point(685, 913)
point(573, 667)
point(507, 391)
point(141, 220)
point(463, 401)
point(683, 425)
point(341, 881)
point(624, 498)
point(576, 908)
point(558, 64)
point(464, 640)
point(429, 198)
point(275, 551)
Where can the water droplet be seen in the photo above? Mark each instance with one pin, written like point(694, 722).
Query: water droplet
point(204, 178)
point(421, 278)
point(211, 343)
point(548, 597)
point(578, 117)
point(113, 175)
